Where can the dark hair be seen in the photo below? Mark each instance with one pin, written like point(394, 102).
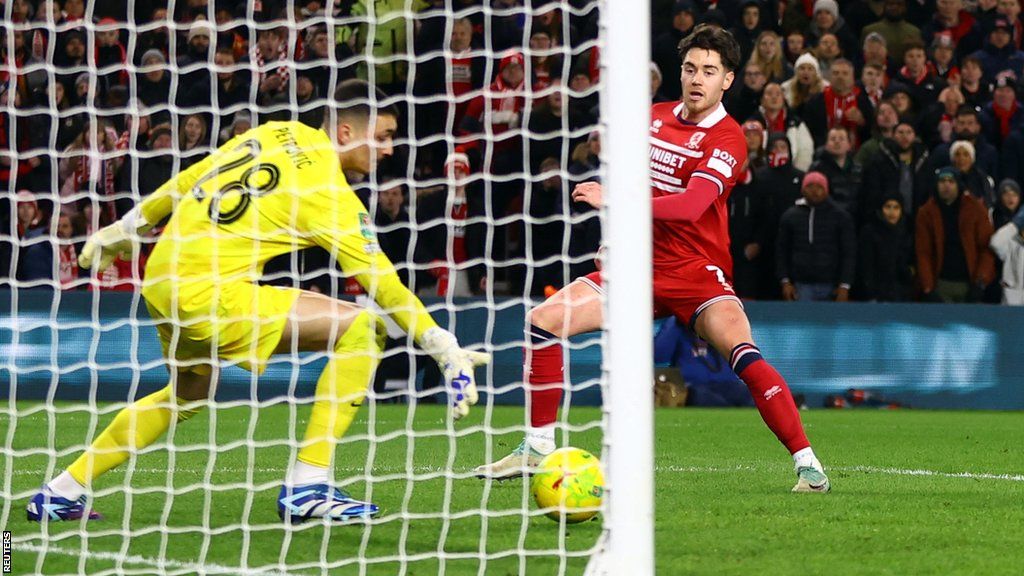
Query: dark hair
point(968, 110)
point(972, 59)
point(844, 61)
point(907, 123)
point(357, 99)
point(914, 44)
point(713, 39)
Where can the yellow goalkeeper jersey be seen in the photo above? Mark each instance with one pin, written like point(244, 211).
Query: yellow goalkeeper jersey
point(270, 191)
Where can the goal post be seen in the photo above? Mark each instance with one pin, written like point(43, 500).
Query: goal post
point(629, 431)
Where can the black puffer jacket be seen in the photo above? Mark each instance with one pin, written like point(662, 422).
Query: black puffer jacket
point(882, 177)
point(885, 258)
point(816, 244)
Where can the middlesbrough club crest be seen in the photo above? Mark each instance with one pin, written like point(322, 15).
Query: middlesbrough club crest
point(694, 142)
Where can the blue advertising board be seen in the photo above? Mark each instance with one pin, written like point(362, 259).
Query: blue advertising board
point(102, 346)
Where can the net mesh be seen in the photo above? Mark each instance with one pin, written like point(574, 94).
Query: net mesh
point(102, 104)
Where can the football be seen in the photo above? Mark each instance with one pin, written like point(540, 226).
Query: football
point(569, 483)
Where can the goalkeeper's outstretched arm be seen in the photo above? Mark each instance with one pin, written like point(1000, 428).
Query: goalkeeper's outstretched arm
point(338, 224)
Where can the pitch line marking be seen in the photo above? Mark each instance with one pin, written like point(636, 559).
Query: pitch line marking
point(864, 469)
point(903, 472)
point(151, 562)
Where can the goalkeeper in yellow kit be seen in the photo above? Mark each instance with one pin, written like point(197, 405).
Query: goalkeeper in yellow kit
point(270, 191)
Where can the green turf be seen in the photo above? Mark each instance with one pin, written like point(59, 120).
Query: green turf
point(723, 501)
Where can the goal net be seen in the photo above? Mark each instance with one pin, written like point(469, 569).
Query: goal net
point(504, 107)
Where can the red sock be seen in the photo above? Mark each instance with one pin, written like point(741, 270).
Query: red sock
point(544, 374)
point(771, 395)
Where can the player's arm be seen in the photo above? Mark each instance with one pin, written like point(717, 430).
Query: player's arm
point(345, 231)
point(715, 173)
point(106, 244)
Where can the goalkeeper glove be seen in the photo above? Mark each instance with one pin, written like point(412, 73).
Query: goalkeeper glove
point(457, 365)
point(104, 246)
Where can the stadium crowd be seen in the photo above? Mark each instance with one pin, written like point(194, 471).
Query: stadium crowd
point(885, 138)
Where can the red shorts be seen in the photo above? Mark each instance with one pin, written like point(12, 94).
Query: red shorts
point(683, 293)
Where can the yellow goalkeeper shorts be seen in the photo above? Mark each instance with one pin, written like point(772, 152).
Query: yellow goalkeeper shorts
point(239, 322)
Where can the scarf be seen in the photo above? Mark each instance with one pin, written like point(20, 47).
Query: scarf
point(836, 107)
point(506, 102)
point(1004, 116)
point(458, 215)
point(905, 73)
point(777, 124)
point(23, 167)
point(778, 159)
point(875, 96)
point(281, 58)
point(103, 172)
point(68, 266)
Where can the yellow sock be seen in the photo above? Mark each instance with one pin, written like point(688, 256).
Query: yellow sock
point(342, 387)
point(136, 426)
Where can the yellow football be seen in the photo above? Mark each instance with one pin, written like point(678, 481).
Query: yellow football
point(569, 483)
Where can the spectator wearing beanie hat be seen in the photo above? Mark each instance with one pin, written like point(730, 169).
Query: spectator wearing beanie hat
point(193, 65)
point(805, 83)
point(1008, 245)
point(1003, 115)
point(885, 254)
point(153, 85)
point(874, 50)
point(816, 248)
point(1008, 202)
point(902, 96)
point(665, 51)
point(110, 54)
point(999, 53)
point(827, 20)
point(952, 234)
point(944, 58)
point(972, 179)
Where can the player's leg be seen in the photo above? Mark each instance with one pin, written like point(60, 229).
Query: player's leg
point(135, 427)
point(724, 325)
point(355, 335)
point(575, 309)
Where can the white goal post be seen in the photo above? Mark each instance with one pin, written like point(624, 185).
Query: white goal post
point(629, 431)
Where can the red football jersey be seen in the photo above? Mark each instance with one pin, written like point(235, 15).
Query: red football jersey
point(713, 149)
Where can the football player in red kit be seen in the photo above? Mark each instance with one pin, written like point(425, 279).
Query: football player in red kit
point(697, 151)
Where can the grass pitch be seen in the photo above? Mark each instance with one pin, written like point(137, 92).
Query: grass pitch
point(914, 493)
